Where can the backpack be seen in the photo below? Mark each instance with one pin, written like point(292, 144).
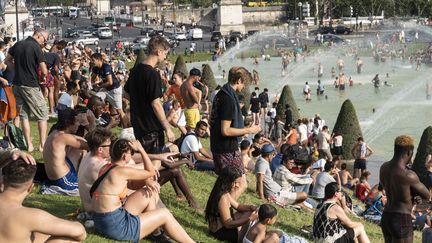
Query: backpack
point(14, 135)
point(300, 154)
point(179, 141)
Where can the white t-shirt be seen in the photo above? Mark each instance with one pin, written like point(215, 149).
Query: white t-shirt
point(190, 144)
point(302, 129)
point(338, 141)
point(322, 138)
point(306, 88)
point(319, 164)
point(66, 100)
point(2, 56)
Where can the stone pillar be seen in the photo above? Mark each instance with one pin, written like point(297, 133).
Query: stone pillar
point(230, 16)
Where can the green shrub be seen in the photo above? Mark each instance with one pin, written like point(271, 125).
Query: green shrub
point(140, 58)
point(348, 126)
point(180, 65)
point(424, 148)
point(208, 78)
point(286, 97)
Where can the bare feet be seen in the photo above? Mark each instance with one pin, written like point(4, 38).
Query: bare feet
point(40, 148)
point(180, 198)
point(30, 148)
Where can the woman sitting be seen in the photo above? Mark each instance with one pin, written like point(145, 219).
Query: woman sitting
point(134, 218)
point(224, 224)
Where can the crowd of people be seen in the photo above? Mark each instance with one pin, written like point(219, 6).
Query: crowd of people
point(297, 164)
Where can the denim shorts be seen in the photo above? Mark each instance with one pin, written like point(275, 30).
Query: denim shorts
point(118, 225)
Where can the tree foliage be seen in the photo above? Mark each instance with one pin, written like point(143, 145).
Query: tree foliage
point(424, 148)
point(140, 58)
point(287, 98)
point(208, 78)
point(180, 66)
point(348, 126)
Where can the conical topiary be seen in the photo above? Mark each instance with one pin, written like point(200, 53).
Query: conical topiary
point(424, 148)
point(286, 97)
point(348, 126)
point(180, 65)
point(208, 78)
point(246, 94)
point(140, 58)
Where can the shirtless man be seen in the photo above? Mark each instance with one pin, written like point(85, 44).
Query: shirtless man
point(401, 185)
point(192, 98)
point(346, 178)
point(99, 141)
point(62, 154)
point(359, 64)
point(23, 224)
point(340, 64)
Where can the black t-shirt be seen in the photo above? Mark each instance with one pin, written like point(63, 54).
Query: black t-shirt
point(143, 86)
point(255, 104)
point(103, 72)
point(27, 55)
point(52, 60)
point(223, 109)
point(288, 116)
point(263, 99)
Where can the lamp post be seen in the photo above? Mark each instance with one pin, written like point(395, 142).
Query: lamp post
point(300, 4)
point(16, 19)
point(142, 12)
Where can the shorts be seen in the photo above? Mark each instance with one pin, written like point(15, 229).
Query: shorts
point(263, 105)
point(348, 185)
point(228, 159)
point(153, 142)
point(360, 164)
point(337, 150)
point(224, 234)
point(396, 225)
point(348, 237)
point(114, 97)
point(284, 198)
point(118, 225)
point(192, 117)
point(67, 185)
point(342, 87)
point(29, 100)
point(49, 81)
point(181, 122)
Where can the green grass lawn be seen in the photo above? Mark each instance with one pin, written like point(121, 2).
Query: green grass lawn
point(201, 184)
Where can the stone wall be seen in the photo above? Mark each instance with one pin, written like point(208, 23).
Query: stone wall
point(252, 16)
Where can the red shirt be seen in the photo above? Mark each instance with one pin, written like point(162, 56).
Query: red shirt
point(175, 89)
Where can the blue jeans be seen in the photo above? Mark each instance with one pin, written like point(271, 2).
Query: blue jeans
point(204, 165)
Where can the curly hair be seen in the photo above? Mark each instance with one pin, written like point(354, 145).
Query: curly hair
point(118, 148)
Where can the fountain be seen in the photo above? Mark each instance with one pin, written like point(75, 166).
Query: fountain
point(399, 108)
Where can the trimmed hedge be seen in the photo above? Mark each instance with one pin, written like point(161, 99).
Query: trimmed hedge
point(287, 98)
point(140, 57)
point(208, 78)
point(424, 148)
point(180, 65)
point(348, 126)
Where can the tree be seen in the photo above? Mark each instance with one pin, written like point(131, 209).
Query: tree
point(424, 148)
point(246, 94)
point(348, 126)
point(208, 78)
point(140, 58)
point(287, 98)
point(180, 66)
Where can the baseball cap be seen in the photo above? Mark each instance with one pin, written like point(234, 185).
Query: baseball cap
point(267, 148)
point(195, 72)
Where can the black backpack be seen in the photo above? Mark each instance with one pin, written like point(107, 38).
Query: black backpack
point(300, 154)
point(179, 141)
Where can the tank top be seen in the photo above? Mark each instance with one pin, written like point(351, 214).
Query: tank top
point(326, 230)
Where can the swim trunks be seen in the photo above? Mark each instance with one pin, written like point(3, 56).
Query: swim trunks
point(396, 225)
point(360, 164)
point(228, 159)
point(67, 185)
point(118, 225)
point(192, 117)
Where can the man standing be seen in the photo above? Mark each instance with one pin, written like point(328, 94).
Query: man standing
point(324, 139)
point(27, 58)
point(264, 100)
point(226, 123)
point(107, 84)
point(360, 152)
point(192, 98)
point(401, 185)
point(144, 87)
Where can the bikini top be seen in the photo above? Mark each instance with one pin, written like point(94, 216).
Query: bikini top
point(105, 170)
